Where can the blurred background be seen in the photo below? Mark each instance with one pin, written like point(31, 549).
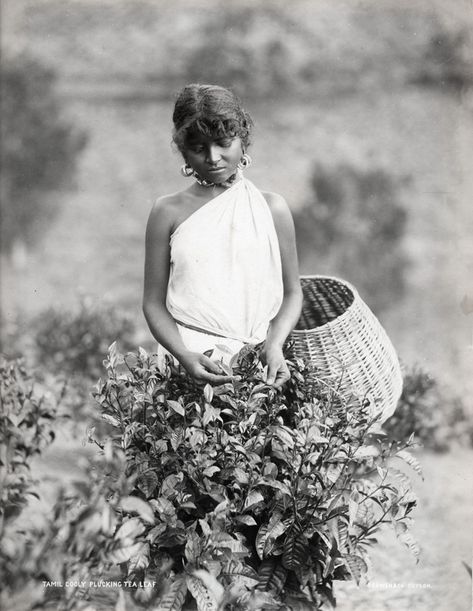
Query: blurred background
point(363, 114)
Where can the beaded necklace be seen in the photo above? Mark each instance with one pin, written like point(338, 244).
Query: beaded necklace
point(207, 183)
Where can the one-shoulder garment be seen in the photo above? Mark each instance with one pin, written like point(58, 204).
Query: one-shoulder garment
point(225, 274)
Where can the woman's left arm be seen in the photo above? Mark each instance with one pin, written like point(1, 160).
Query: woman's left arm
point(286, 319)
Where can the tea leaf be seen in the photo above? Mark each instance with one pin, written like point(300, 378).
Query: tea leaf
point(268, 533)
point(284, 435)
point(108, 520)
point(140, 559)
point(131, 528)
point(271, 576)
point(174, 596)
point(356, 565)
point(124, 554)
point(411, 461)
point(210, 414)
point(240, 475)
point(209, 471)
point(177, 437)
point(352, 510)
point(147, 483)
point(339, 530)
point(208, 393)
point(410, 542)
point(110, 419)
point(253, 499)
point(193, 547)
point(295, 550)
point(334, 471)
point(163, 507)
point(232, 568)
point(213, 586)
point(176, 406)
point(155, 532)
point(137, 505)
point(205, 598)
point(245, 519)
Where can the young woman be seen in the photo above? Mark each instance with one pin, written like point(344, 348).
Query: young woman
point(221, 265)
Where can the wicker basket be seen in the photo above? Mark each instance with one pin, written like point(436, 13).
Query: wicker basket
point(345, 342)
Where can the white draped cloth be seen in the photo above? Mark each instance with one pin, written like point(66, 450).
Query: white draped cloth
point(225, 283)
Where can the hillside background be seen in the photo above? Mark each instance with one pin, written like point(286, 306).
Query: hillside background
point(376, 84)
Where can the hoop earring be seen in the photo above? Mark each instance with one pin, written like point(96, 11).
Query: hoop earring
point(186, 170)
point(244, 162)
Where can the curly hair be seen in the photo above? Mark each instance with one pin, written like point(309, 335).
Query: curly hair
point(210, 111)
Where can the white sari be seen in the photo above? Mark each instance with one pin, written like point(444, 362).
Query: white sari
point(225, 283)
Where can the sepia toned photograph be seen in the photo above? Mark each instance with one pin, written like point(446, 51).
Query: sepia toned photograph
point(236, 305)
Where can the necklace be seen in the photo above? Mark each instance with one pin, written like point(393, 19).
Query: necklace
point(208, 183)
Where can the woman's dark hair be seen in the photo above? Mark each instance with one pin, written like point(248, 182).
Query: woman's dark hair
point(210, 111)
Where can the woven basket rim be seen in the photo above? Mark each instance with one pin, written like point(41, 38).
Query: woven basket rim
point(356, 297)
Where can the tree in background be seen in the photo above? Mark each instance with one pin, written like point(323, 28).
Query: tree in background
point(38, 152)
point(255, 50)
point(353, 228)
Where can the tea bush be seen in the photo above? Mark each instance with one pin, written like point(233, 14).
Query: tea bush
point(234, 497)
point(437, 418)
point(73, 541)
point(242, 497)
point(74, 342)
point(26, 427)
point(72, 548)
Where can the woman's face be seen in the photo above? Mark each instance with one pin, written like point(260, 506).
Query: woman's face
point(214, 160)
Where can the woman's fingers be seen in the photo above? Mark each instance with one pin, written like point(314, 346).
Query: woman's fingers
point(278, 374)
point(210, 365)
point(212, 372)
point(282, 377)
point(215, 379)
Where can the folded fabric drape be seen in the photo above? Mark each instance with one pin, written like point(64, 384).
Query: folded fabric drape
point(225, 275)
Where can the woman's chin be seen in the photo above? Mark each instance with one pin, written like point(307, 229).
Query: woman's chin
point(218, 176)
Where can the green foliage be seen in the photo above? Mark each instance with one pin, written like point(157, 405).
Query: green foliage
point(354, 228)
point(39, 148)
point(232, 497)
point(75, 342)
point(26, 422)
point(74, 547)
point(243, 497)
point(76, 542)
point(431, 413)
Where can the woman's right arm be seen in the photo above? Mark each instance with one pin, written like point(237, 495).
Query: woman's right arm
point(160, 321)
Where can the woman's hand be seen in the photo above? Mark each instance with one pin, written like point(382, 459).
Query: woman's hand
point(278, 372)
point(203, 369)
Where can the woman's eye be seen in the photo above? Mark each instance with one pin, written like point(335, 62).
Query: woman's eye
point(225, 143)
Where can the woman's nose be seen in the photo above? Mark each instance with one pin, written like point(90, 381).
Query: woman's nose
point(213, 155)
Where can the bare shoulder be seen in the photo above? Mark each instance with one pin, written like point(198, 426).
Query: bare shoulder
point(165, 204)
point(165, 210)
point(279, 208)
point(275, 201)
